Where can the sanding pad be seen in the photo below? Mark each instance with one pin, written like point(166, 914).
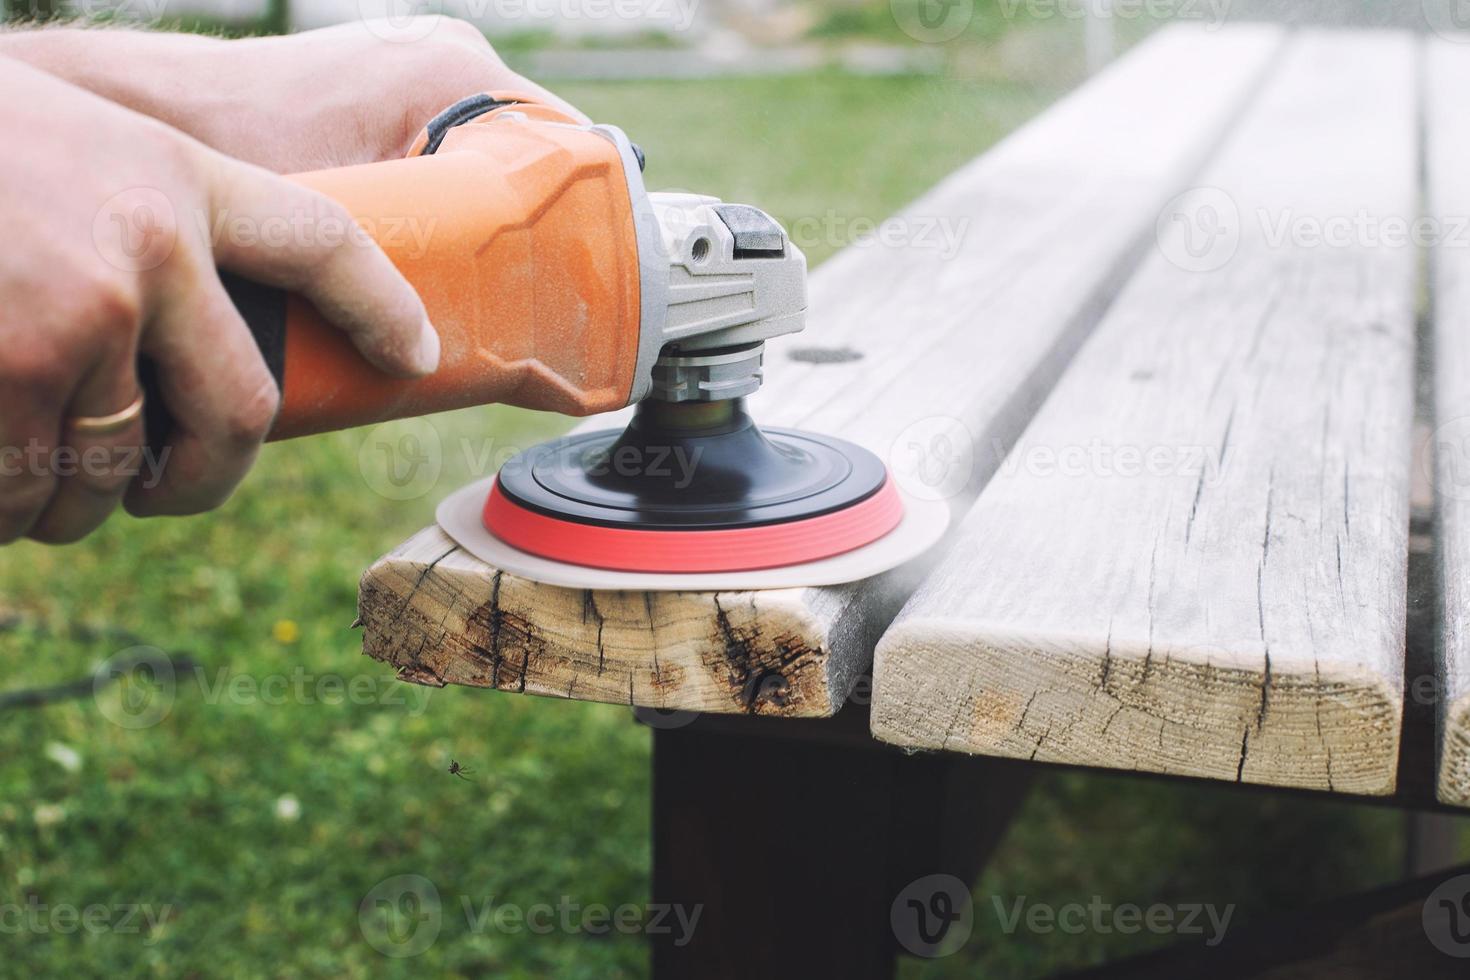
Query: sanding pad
point(923, 522)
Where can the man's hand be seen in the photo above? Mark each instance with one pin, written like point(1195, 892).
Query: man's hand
point(355, 93)
point(109, 219)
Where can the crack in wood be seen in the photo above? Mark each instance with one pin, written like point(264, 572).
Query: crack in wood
point(1265, 693)
point(418, 582)
point(589, 608)
point(774, 672)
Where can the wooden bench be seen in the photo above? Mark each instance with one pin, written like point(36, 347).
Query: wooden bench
point(1170, 385)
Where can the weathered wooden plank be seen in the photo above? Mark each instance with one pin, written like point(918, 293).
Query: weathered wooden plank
point(1194, 561)
point(910, 347)
point(444, 617)
point(1447, 147)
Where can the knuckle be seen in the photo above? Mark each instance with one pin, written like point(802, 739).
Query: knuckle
point(249, 422)
point(138, 502)
point(36, 371)
point(97, 317)
point(185, 500)
point(63, 532)
point(156, 505)
point(330, 232)
point(22, 501)
point(140, 505)
point(106, 479)
point(109, 302)
point(458, 29)
point(168, 146)
point(463, 59)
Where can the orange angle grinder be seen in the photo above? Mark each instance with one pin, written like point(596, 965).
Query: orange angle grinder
point(557, 282)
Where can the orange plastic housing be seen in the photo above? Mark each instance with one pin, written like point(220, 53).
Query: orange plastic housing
point(519, 235)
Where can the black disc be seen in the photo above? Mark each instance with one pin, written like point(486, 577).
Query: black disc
point(703, 467)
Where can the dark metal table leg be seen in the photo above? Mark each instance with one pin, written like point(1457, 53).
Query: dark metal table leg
point(792, 840)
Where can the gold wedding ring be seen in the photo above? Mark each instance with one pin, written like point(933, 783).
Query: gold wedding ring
point(103, 425)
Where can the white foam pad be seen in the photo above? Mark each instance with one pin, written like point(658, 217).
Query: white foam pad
point(922, 524)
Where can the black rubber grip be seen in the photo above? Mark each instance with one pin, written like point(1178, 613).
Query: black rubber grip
point(264, 311)
point(461, 112)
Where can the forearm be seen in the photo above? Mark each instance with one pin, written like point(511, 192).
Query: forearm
point(249, 98)
point(327, 98)
point(153, 73)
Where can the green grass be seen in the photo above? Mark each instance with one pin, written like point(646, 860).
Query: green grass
point(193, 816)
point(816, 151)
point(183, 814)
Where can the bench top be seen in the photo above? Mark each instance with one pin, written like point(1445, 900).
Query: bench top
point(1166, 380)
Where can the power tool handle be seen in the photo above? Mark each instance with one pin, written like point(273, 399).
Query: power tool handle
point(520, 236)
point(263, 309)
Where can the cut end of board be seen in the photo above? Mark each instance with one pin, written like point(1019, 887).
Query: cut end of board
point(1178, 711)
point(440, 616)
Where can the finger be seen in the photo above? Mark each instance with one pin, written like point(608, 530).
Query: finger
point(29, 426)
point(217, 390)
point(94, 469)
point(54, 339)
point(309, 244)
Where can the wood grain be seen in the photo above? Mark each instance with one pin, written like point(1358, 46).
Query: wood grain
point(1194, 562)
point(1447, 147)
point(933, 358)
point(697, 651)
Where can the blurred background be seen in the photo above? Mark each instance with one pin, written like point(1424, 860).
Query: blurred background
point(246, 778)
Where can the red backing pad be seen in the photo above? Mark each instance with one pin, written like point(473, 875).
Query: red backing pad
point(730, 550)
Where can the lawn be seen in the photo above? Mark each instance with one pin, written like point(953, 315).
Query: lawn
point(248, 804)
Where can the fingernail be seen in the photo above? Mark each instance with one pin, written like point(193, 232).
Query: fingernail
point(427, 359)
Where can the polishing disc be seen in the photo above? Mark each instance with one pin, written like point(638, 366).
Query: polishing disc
point(919, 526)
